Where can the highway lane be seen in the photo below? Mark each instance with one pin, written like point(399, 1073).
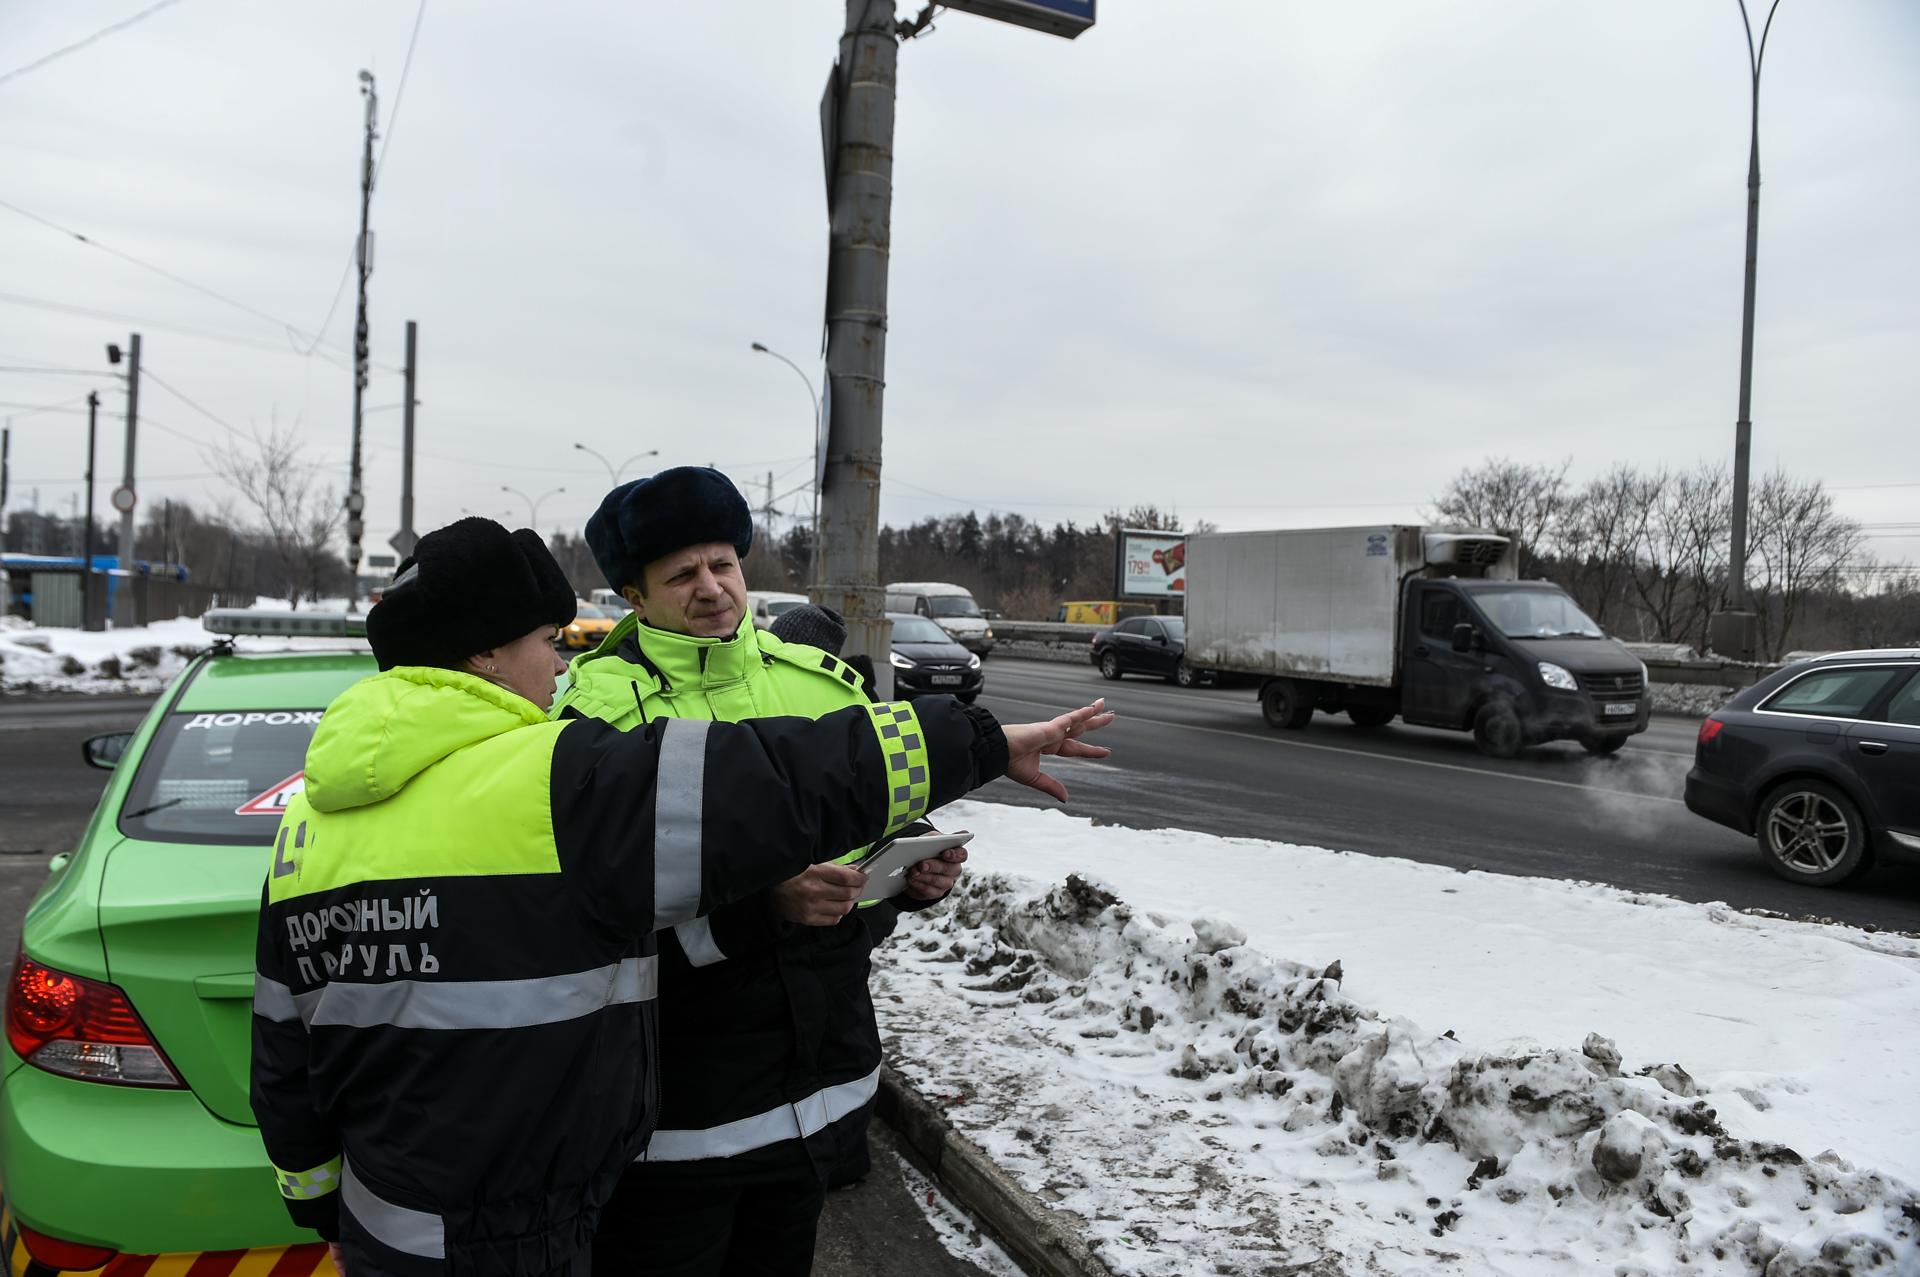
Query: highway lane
point(1204, 759)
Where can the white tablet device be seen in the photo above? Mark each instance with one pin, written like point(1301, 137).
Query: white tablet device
point(886, 869)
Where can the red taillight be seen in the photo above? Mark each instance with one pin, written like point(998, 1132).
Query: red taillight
point(70, 1257)
point(1710, 728)
point(82, 1028)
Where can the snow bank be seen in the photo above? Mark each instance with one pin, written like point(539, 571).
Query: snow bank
point(141, 659)
point(1206, 1107)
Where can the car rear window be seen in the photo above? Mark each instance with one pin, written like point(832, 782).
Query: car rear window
point(219, 778)
point(1843, 693)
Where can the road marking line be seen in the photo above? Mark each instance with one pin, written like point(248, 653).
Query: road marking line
point(1361, 753)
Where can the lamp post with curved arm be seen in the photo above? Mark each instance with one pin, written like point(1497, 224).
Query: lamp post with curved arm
point(614, 472)
point(813, 399)
point(1737, 633)
point(533, 503)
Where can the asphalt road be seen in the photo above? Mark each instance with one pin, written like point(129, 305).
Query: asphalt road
point(47, 793)
point(1203, 758)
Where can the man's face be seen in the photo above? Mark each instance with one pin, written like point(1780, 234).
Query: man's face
point(698, 591)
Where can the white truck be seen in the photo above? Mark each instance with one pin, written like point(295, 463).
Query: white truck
point(1426, 624)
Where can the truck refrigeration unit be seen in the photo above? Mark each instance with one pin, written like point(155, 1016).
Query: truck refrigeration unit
point(1429, 625)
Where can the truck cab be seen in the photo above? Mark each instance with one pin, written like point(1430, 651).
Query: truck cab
point(1516, 663)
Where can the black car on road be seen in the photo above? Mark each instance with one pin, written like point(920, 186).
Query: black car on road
point(927, 660)
point(1820, 763)
point(1154, 645)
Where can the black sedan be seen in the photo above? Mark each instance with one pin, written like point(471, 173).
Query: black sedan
point(1155, 645)
point(1820, 763)
point(927, 660)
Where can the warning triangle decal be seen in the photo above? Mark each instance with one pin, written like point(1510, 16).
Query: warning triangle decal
point(274, 801)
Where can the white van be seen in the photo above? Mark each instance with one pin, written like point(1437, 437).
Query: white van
point(767, 605)
point(951, 608)
point(610, 598)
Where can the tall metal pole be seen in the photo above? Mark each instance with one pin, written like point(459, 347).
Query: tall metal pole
point(133, 429)
point(363, 256)
point(1743, 430)
point(404, 543)
point(813, 554)
point(849, 541)
point(88, 621)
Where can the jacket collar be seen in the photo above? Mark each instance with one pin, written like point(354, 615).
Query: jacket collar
point(681, 662)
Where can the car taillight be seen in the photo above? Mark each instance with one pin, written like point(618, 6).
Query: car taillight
point(72, 1257)
point(1710, 728)
point(81, 1028)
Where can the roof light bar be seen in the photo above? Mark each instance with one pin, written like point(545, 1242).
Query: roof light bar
point(238, 622)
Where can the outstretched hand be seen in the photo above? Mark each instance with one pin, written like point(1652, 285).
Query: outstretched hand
point(1026, 742)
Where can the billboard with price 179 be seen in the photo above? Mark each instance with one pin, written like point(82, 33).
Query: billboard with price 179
point(1151, 565)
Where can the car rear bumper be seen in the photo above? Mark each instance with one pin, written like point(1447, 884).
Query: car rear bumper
point(1719, 799)
point(143, 1171)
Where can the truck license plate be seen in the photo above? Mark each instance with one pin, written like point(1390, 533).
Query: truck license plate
point(1620, 709)
point(953, 680)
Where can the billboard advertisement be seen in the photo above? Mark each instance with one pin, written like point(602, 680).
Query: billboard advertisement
point(1151, 565)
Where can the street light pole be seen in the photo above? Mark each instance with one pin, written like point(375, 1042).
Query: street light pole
point(813, 399)
point(614, 472)
point(1735, 633)
point(88, 620)
point(533, 504)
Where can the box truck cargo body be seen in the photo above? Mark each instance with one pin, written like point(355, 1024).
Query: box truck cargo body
point(1428, 624)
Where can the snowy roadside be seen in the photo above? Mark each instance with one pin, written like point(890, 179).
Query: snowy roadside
point(140, 659)
point(1497, 1075)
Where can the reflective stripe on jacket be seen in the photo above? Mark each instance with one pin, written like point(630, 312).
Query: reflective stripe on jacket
point(453, 1013)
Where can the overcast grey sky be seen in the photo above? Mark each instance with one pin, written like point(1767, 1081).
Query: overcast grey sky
point(1273, 264)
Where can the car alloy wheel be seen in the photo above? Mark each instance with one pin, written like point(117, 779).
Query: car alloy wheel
point(1811, 833)
point(1110, 665)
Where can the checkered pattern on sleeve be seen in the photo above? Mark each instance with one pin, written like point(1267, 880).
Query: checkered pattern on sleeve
point(306, 1185)
point(905, 748)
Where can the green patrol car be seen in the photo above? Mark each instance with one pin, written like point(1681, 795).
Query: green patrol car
point(127, 1142)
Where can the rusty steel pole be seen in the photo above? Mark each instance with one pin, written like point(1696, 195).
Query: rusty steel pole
point(848, 579)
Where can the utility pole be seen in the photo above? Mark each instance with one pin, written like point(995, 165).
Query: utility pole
point(89, 617)
point(848, 580)
point(124, 498)
point(363, 258)
point(404, 541)
point(1734, 633)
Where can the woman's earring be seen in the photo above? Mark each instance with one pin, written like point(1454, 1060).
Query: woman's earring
point(493, 669)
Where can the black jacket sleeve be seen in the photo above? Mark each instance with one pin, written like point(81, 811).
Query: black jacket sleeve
point(669, 821)
point(303, 1147)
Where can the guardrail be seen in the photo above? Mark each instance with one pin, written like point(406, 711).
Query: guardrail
point(1056, 641)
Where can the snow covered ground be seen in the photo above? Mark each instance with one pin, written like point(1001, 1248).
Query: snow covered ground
point(138, 659)
point(1240, 1057)
point(141, 659)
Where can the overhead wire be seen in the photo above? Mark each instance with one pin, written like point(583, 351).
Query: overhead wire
point(95, 38)
point(148, 374)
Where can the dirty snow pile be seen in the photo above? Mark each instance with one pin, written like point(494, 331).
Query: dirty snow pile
point(1202, 1104)
point(139, 659)
point(136, 660)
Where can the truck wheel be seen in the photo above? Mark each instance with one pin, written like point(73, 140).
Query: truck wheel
point(1369, 715)
point(1286, 704)
point(1603, 745)
point(1110, 667)
point(1810, 832)
point(1496, 730)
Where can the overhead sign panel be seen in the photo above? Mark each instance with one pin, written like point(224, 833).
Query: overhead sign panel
point(1055, 17)
point(1152, 565)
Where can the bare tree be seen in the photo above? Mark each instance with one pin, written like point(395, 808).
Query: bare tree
point(1799, 543)
point(1680, 563)
point(298, 519)
point(1602, 529)
point(1526, 501)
